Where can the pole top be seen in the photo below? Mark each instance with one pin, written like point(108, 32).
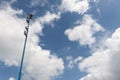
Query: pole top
point(30, 16)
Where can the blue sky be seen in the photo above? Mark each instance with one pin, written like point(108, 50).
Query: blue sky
point(68, 39)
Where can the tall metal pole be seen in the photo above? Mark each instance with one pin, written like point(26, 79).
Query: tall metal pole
point(23, 54)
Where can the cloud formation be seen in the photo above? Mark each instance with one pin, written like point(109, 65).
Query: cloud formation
point(72, 61)
point(78, 6)
point(84, 33)
point(11, 32)
point(48, 18)
point(39, 63)
point(103, 64)
point(38, 3)
point(11, 78)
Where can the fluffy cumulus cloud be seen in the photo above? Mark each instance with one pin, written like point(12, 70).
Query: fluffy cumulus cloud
point(78, 6)
point(39, 63)
point(11, 78)
point(11, 32)
point(104, 63)
point(49, 18)
point(38, 3)
point(84, 33)
point(72, 61)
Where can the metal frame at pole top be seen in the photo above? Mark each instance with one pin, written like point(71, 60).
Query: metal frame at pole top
point(29, 16)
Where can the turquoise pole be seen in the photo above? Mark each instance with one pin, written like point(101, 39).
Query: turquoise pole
point(23, 54)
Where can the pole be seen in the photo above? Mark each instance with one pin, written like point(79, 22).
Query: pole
point(25, 42)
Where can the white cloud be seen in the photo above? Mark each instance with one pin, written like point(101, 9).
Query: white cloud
point(78, 6)
point(69, 58)
point(11, 78)
point(38, 3)
point(45, 67)
point(104, 63)
point(96, 1)
point(38, 63)
point(49, 18)
point(10, 35)
point(84, 33)
point(72, 61)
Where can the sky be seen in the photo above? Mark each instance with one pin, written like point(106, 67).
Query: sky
point(67, 40)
